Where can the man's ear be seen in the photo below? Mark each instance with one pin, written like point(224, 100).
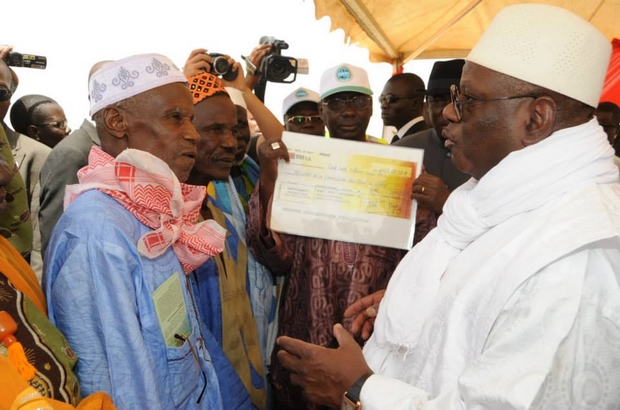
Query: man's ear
point(541, 121)
point(115, 122)
point(33, 132)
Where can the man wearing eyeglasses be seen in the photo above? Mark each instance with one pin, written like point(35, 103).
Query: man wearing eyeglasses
point(301, 112)
point(322, 276)
point(29, 157)
point(17, 215)
point(512, 301)
point(346, 103)
point(440, 176)
point(402, 103)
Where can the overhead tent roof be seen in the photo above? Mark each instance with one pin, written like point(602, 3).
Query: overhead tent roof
point(396, 31)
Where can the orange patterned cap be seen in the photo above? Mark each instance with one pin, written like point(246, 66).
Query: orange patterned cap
point(204, 85)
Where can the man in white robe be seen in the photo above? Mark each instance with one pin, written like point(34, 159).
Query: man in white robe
point(513, 301)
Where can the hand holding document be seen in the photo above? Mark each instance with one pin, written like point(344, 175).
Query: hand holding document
point(347, 191)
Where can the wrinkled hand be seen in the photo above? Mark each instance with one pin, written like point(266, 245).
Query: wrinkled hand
point(269, 152)
point(365, 311)
point(197, 62)
point(256, 58)
point(4, 51)
point(4, 55)
point(324, 374)
point(431, 192)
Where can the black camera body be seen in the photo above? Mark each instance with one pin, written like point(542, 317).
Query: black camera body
point(221, 67)
point(26, 60)
point(275, 67)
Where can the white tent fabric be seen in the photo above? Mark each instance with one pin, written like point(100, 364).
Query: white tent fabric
point(396, 31)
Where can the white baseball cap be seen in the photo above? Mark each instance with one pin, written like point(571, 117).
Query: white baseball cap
point(546, 46)
point(299, 95)
point(344, 77)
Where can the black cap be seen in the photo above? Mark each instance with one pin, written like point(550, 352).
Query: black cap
point(443, 75)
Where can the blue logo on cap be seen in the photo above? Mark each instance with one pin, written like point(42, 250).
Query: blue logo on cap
point(301, 94)
point(343, 74)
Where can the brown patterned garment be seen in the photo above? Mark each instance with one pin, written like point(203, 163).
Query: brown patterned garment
point(324, 278)
point(45, 347)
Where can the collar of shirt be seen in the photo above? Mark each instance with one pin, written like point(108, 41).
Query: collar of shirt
point(410, 124)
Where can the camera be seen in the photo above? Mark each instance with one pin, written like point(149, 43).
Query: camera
point(276, 67)
point(26, 60)
point(221, 67)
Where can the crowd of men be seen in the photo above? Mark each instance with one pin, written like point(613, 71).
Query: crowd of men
point(139, 269)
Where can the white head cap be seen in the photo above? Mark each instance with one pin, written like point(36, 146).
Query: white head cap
point(299, 95)
point(121, 79)
point(236, 96)
point(546, 46)
point(344, 77)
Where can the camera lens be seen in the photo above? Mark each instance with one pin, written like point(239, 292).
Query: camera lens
point(279, 69)
point(220, 65)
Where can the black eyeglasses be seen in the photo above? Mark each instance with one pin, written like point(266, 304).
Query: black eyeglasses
point(5, 94)
point(391, 98)
point(458, 105)
point(302, 119)
point(359, 102)
point(62, 124)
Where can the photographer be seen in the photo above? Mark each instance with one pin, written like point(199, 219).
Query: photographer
point(29, 155)
point(225, 194)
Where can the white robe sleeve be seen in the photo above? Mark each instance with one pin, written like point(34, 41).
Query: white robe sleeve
point(529, 351)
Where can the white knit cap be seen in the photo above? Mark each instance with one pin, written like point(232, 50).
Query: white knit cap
point(546, 46)
point(121, 79)
point(236, 96)
point(344, 77)
point(299, 95)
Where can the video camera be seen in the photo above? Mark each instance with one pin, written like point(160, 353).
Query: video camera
point(275, 67)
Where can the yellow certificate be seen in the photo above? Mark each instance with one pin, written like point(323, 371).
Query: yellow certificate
point(346, 190)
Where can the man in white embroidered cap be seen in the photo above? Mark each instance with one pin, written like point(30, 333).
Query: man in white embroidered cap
point(119, 260)
point(512, 301)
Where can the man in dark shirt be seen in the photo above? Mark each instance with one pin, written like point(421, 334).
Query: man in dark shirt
point(440, 176)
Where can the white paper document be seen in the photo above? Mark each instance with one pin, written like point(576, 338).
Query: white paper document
point(346, 190)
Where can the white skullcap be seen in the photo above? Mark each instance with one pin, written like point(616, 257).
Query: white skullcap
point(121, 79)
point(299, 95)
point(236, 96)
point(546, 46)
point(344, 77)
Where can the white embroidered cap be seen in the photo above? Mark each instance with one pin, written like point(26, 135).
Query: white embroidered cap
point(236, 96)
point(299, 95)
point(546, 46)
point(344, 77)
point(121, 79)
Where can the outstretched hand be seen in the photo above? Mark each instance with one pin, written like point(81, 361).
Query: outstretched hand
point(364, 312)
point(324, 374)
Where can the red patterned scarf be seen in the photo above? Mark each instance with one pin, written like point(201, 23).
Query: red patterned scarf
point(145, 186)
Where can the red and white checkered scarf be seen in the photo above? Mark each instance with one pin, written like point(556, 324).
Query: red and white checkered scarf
point(145, 186)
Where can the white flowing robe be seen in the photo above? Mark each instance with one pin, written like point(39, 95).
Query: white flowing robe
point(513, 302)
